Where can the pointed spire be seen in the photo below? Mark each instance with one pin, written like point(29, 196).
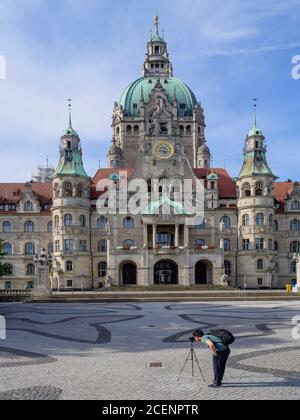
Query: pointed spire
point(156, 23)
point(255, 111)
point(255, 131)
point(70, 113)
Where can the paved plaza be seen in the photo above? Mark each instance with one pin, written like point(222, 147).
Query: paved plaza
point(104, 351)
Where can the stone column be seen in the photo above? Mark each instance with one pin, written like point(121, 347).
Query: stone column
point(145, 236)
point(186, 236)
point(297, 288)
point(154, 236)
point(222, 243)
point(177, 236)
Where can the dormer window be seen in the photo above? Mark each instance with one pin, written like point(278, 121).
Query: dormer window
point(295, 205)
point(28, 206)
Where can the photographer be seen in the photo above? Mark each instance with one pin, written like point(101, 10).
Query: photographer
point(221, 353)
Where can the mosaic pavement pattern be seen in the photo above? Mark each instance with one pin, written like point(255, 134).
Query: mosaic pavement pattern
point(103, 351)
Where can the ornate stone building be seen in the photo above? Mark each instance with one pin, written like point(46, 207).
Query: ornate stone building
point(251, 226)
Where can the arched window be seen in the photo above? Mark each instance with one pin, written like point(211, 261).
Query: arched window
point(29, 227)
point(102, 222)
point(129, 243)
point(247, 189)
point(199, 243)
point(50, 248)
point(128, 223)
point(50, 227)
point(227, 245)
point(259, 189)
point(181, 130)
point(295, 247)
point(56, 221)
point(226, 221)
point(294, 267)
point(136, 130)
point(227, 265)
point(295, 225)
point(82, 221)
point(68, 189)
point(276, 226)
point(30, 285)
point(79, 190)
point(260, 219)
point(188, 130)
point(295, 205)
point(68, 220)
point(28, 206)
point(29, 249)
point(30, 270)
point(128, 130)
point(102, 269)
point(260, 264)
point(6, 227)
point(7, 249)
point(69, 266)
point(102, 245)
point(246, 220)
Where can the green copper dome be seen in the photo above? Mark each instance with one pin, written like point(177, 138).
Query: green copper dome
point(70, 132)
point(255, 132)
point(131, 98)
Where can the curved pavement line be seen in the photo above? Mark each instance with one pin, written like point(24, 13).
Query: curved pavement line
point(37, 358)
point(235, 363)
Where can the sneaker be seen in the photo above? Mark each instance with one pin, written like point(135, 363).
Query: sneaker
point(215, 385)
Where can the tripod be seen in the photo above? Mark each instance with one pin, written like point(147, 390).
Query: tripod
point(193, 358)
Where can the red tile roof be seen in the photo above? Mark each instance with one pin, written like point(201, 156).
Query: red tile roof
point(282, 190)
point(10, 193)
point(227, 185)
point(105, 174)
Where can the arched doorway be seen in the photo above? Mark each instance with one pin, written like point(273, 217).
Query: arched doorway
point(129, 274)
point(204, 272)
point(166, 272)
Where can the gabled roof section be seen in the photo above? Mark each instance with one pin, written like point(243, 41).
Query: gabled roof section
point(11, 193)
point(227, 186)
point(154, 206)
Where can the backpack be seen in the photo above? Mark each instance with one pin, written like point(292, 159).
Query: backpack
point(226, 337)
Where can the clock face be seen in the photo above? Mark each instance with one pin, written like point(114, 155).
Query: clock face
point(163, 150)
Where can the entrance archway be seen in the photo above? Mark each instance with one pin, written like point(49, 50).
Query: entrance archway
point(204, 272)
point(129, 274)
point(166, 272)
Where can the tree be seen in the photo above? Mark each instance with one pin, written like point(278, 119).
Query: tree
point(4, 267)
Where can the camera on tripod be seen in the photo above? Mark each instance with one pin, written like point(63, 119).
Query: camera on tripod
point(192, 339)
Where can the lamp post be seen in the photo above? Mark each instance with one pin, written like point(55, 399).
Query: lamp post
point(42, 262)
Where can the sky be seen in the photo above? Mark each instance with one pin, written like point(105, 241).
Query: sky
point(228, 51)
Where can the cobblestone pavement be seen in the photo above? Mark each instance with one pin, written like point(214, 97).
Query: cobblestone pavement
point(103, 351)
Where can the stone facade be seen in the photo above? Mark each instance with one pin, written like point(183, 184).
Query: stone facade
point(249, 234)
